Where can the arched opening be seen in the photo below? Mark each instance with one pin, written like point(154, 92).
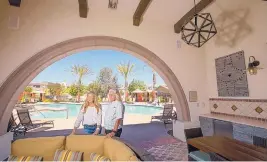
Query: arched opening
point(19, 79)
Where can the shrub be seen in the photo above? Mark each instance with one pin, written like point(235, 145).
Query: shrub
point(47, 100)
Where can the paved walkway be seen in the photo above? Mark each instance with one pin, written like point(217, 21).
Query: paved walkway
point(151, 137)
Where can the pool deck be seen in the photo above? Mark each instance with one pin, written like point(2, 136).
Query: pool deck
point(62, 123)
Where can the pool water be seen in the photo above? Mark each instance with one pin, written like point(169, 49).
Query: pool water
point(73, 110)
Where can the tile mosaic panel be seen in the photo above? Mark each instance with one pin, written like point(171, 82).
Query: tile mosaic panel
point(255, 108)
point(231, 75)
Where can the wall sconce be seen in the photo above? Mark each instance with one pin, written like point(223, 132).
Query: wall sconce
point(112, 4)
point(253, 66)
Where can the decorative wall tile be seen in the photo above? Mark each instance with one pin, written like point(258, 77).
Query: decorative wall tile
point(234, 108)
point(259, 110)
point(255, 108)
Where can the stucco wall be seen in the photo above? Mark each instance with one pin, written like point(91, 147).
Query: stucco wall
point(253, 42)
point(245, 21)
point(45, 23)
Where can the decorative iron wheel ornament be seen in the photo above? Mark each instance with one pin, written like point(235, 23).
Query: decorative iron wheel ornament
point(198, 30)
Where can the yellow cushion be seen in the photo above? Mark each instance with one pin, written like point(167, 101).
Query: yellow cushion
point(118, 151)
point(97, 157)
point(25, 158)
point(67, 155)
point(85, 143)
point(43, 146)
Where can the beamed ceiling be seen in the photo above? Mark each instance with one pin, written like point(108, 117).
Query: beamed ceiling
point(168, 12)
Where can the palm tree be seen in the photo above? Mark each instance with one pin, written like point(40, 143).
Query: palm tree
point(80, 72)
point(28, 90)
point(125, 69)
point(154, 80)
point(154, 86)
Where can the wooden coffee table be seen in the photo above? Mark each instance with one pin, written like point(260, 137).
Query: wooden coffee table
point(229, 148)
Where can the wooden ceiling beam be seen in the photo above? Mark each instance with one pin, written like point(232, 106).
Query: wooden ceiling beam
point(139, 12)
point(199, 7)
point(15, 3)
point(83, 8)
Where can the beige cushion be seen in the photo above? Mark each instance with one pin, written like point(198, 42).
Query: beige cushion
point(85, 143)
point(118, 151)
point(42, 146)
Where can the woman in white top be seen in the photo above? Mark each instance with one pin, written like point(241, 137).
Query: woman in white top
point(90, 115)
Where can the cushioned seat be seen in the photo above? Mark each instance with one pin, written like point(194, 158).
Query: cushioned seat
point(199, 156)
point(43, 146)
point(47, 146)
point(85, 143)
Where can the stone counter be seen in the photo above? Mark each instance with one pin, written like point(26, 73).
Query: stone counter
point(243, 129)
point(238, 120)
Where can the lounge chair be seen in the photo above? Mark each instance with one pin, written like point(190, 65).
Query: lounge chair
point(167, 116)
point(15, 128)
point(25, 119)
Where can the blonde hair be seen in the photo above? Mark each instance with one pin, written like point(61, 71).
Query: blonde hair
point(95, 101)
point(118, 95)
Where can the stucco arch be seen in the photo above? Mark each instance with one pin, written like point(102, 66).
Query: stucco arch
point(19, 79)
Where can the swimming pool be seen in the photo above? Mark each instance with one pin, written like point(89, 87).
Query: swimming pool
point(73, 110)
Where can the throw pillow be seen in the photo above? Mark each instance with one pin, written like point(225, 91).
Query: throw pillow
point(67, 155)
point(24, 158)
point(97, 157)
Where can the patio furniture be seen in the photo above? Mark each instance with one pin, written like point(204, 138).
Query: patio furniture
point(46, 147)
point(15, 128)
point(167, 116)
point(229, 148)
point(193, 153)
point(25, 119)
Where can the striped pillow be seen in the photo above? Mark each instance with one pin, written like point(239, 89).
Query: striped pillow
point(97, 157)
point(25, 158)
point(67, 155)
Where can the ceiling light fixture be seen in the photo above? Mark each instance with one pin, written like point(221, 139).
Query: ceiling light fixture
point(199, 29)
point(112, 4)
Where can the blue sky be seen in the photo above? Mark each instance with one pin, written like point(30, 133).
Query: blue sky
point(96, 60)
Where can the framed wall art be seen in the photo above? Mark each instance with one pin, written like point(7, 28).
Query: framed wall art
point(192, 96)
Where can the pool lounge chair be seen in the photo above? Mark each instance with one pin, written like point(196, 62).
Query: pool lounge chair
point(167, 116)
point(15, 128)
point(25, 119)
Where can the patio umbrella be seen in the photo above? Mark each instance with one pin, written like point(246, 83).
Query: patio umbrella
point(163, 89)
point(138, 91)
point(148, 91)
